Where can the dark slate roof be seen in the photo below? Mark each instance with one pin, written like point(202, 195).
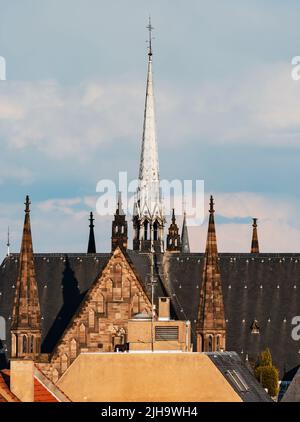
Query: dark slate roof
point(292, 394)
point(239, 377)
point(262, 287)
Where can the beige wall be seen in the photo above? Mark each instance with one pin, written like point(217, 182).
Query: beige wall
point(145, 377)
point(140, 336)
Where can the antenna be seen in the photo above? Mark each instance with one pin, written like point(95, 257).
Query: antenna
point(8, 242)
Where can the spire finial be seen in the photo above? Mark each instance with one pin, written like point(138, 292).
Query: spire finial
point(27, 204)
point(91, 219)
point(173, 216)
point(211, 205)
point(8, 242)
point(91, 243)
point(254, 243)
point(150, 29)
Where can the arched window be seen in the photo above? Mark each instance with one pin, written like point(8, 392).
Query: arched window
point(116, 229)
point(122, 229)
point(91, 318)
point(24, 344)
point(82, 334)
point(218, 343)
point(155, 231)
point(210, 343)
point(31, 344)
point(146, 230)
point(100, 303)
point(64, 363)
point(73, 348)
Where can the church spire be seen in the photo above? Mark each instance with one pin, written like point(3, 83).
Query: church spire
point(26, 318)
point(211, 318)
point(254, 243)
point(185, 244)
point(119, 234)
point(148, 217)
point(173, 238)
point(92, 243)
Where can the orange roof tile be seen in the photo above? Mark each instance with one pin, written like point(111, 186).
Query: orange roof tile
point(5, 394)
point(41, 393)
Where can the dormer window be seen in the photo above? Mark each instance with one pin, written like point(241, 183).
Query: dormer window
point(254, 327)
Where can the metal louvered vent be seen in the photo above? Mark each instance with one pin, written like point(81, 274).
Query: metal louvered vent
point(166, 333)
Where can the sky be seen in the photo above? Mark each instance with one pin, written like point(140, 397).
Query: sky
point(227, 112)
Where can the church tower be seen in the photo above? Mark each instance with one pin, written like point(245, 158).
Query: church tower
point(119, 235)
point(148, 216)
point(211, 326)
point(173, 237)
point(254, 243)
point(26, 318)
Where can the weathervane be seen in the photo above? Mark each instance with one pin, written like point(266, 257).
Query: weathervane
point(150, 29)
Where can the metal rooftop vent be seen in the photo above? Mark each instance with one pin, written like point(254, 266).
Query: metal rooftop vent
point(166, 333)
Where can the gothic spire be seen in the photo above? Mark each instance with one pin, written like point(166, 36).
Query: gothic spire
point(92, 243)
point(254, 243)
point(185, 244)
point(148, 214)
point(173, 237)
point(119, 235)
point(26, 319)
point(211, 317)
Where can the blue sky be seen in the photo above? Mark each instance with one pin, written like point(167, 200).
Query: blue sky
point(227, 112)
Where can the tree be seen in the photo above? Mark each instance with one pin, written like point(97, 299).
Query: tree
point(267, 374)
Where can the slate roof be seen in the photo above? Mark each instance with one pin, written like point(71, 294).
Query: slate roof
point(292, 394)
point(239, 377)
point(262, 287)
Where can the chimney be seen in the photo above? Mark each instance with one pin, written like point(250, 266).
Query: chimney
point(164, 309)
point(22, 379)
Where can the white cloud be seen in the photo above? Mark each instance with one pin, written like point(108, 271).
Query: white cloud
point(73, 121)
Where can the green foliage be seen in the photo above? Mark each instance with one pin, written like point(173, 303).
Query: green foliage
point(265, 358)
point(267, 374)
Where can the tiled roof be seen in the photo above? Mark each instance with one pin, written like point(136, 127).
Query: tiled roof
point(5, 394)
point(41, 393)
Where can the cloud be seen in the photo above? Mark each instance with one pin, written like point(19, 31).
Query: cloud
point(261, 108)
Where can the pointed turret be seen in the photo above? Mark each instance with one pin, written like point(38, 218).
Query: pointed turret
point(119, 236)
point(254, 243)
point(211, 318)
point(148, 219)
point(92, 243)
point(173, 238)
point(26, 318)
point(185, 244)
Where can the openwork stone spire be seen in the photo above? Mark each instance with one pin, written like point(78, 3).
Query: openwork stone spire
point(254, 243)
point(211, 318)
point(92, 243)
point(185, 244)
point(148, 213)
point(26, 320)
